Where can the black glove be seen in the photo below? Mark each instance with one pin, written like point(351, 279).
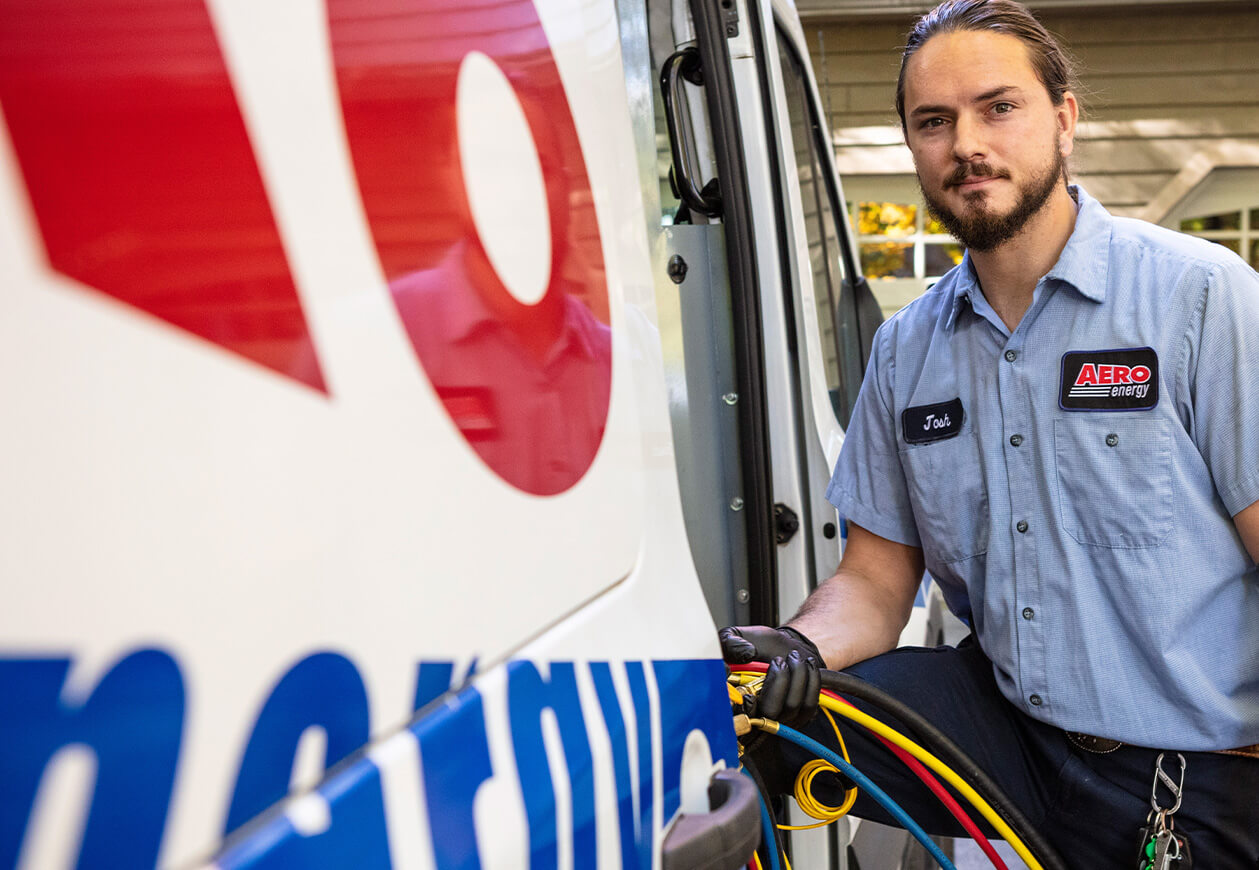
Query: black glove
point(792, 682)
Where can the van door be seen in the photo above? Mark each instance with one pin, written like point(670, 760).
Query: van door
point(707, 296)
point(757, 276)
point(803, 318)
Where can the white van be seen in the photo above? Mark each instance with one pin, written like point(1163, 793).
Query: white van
point(384, 438)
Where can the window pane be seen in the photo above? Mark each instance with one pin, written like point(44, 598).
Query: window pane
point(1234, 245)
point(1254, 253)
point(935, 228)
point(836, 311)
point(1254, 220)
point(895, 219)
point(1207, 223)
point(938, 259)
point(822, 244)
point(887, 259)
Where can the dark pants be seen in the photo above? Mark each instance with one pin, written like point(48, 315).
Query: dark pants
point(1090, 806)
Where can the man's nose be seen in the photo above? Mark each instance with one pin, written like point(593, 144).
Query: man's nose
point(968, 142)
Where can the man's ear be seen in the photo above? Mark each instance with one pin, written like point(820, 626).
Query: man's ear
point(1067, 114)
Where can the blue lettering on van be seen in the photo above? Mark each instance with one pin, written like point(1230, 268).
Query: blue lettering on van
point(528, 694)
point(636, 672)
point(454, 761)
point(355, 837)
point(133, 721)
point(432, 680)
point(632, 839)
point(323, 690)
point(689, 690)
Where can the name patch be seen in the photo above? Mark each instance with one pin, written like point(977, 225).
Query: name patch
point(1109, 380)
point(932, 422)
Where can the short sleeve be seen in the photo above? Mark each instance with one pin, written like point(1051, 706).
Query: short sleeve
point(868, 486)
point(1224, 380)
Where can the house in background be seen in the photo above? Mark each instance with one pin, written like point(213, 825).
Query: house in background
point(1170, 131)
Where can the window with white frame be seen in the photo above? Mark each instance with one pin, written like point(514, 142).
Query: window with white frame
point(900, 240)
point(1224, 208)
point(1236, 230)
point(903, 249)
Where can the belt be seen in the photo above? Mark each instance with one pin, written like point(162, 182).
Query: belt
point(1104, 745)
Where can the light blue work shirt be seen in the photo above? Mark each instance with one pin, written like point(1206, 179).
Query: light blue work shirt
point(1091, 549)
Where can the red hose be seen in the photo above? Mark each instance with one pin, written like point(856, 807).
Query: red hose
point(950, 804)
point(928, 779)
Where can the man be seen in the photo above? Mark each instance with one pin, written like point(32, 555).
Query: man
point(1065, 432)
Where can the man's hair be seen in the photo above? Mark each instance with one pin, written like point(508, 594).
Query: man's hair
point(1053, 66)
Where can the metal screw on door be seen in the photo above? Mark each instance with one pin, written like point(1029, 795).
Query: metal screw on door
point(677, 269)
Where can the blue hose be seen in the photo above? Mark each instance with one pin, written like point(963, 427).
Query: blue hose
point(863, 782)
point(767, 828)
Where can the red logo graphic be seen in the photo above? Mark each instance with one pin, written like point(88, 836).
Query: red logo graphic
point(141, 175)
point(528, 385)
point(1092, 374)
point(145, 187)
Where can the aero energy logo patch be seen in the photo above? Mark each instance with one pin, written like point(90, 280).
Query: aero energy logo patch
point(1109, 380)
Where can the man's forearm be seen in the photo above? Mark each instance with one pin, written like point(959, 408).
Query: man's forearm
point(851, 618)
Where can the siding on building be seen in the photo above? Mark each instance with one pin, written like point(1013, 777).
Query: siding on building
point(1169, 92)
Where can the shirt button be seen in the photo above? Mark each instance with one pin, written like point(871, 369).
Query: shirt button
point(1028, 613)
point(1035, 700)
point(1011, 355)
point(1112, 439)
point(1016, 440)
point(1021, 526)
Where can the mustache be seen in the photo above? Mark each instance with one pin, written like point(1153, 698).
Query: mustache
point(972, 170)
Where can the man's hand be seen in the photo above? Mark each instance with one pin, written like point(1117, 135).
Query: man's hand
point(792, 682)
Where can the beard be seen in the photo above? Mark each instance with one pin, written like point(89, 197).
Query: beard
point(981, 229)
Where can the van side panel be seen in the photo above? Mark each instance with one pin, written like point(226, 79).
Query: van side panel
point(227, 593)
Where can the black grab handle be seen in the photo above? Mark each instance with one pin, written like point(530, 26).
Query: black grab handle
point(723, 838)
point(684, 64)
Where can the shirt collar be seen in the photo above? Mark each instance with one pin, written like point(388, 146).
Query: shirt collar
point(965, 286)
point(1084, 263)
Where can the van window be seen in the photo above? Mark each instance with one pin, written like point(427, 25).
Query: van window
point(837, 311)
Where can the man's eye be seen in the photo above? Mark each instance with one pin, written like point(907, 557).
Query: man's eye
point(931, 123)
point(1003, 108)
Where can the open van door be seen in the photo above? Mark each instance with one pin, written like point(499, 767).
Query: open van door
point(781, 306)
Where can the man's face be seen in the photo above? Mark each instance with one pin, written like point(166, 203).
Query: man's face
point(989, 146)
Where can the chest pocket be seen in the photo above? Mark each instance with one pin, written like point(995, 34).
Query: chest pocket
point(1114, 480)
point(950, 501)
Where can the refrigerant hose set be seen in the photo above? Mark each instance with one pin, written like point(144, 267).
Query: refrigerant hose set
point(922, 747)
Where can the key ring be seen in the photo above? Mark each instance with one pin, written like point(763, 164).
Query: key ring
point(1176, 788)
point(1164, 821)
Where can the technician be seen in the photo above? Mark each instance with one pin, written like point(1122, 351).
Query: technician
point(1064, 431)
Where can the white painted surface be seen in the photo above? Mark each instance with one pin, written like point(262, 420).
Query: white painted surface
point(175, 495)
point(503, 178)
